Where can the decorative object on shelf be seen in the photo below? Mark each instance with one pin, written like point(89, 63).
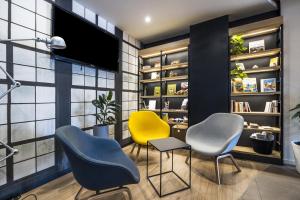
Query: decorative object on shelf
point(249, 85)
point(171, 89)
point(108, 108)
point(152, 105)
point(173, 74)
point(245, 124)
point(253, 125)
point(165, 117)
point(296, 143)
point(240, 66)
point(175, 62)
point(184, 85)
point(237, 72)
point(262, 142)
point(157, 91)
point(255, 67)
point(185, 119)
point(166, 105)
point(145, 90)
point(157, 64)
point(274, 62)
point(179, 131)
point(146, 67)
point(155, 75)
point(237, 45)
point(256, 46)
point(237, 85)
point(184, 104)
point(268, 85)
point(144, 105)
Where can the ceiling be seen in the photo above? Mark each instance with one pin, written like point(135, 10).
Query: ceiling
point(170, 17)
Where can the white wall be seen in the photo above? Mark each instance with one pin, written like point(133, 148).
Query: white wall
point(291, 15)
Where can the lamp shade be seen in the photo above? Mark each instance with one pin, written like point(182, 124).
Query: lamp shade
point(56, 42)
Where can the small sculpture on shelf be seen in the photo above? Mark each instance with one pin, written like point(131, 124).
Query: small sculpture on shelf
point(167, 105)
point(173, 74)
point(175, 62)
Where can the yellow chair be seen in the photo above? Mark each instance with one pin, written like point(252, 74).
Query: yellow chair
point(144, 126)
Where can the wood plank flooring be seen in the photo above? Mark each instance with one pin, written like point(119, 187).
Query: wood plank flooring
point(256, 181)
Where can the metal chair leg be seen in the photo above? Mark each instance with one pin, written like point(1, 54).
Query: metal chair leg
point(78, 193)
point(235, 163)
point(127, 190)
point(187, 158)
point(133, 148)
point(168, 154)
point(138, 152)
point(217, 170)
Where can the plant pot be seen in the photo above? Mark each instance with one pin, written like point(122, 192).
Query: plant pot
point(101, 131)
point(296, 150)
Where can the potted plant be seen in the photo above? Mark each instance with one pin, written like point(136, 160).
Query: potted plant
point(237, 80)
point(296, 143)
point(237, 45)
point(108, 109)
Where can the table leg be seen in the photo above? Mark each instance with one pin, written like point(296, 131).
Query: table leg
point(190, 178)
point(147, 159)
point(160, 174)
point(172, 160)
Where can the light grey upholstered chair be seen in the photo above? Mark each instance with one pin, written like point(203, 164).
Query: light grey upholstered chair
point(216, 136)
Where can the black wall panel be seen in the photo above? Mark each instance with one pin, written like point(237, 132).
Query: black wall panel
point(209, 69)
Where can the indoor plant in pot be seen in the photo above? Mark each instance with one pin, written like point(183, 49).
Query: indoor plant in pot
point(107, 110)
point(296, 143)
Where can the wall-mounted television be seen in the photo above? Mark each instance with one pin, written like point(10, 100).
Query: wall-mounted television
point(86, 42)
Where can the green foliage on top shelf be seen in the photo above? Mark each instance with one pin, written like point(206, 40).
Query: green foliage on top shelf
point(238, 72)
point(237, 45)
point(297, 114)
point(107, 109)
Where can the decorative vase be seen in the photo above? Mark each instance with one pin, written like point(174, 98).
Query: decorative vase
point(296, 150)
point(101, 131)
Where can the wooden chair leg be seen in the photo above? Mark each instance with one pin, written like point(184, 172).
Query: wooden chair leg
point(133, 148)
point(168, 154)
point(138, 152)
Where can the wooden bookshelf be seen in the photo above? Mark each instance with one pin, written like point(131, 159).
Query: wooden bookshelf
point(150, 97)
point(178, 123)
point(153, 69)
point(259, 114)
point(165, 68)
point(249, 150)
point(174, 96)
point(150, 81)
point(262, 70)
point(254, 94)
point(247, 56)
point(174, 111)
point(175, 78)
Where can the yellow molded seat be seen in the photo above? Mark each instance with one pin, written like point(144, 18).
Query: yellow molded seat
point(146, 125)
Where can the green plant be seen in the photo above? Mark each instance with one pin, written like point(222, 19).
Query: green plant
point(108, 109)
point(237, 45)
point(238, 73)
point(297, 114)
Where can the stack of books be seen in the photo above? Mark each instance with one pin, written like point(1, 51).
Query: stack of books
point(240, 106)
point(271, 106)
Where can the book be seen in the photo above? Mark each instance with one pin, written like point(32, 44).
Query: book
point(240, 106)
point(171, 89)
point(249, 85)
point(157, 91)
point(274, 62)
point(256, 46)
point(152, 105)
point(184, 104)
point(268, 85)
point(271, 106)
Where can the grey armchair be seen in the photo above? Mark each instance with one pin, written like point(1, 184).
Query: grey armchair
point(216, 136)
point(97, 163)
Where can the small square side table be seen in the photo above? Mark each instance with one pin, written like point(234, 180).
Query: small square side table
point(165, 145)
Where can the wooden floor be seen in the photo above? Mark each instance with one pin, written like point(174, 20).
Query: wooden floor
point(256, 181)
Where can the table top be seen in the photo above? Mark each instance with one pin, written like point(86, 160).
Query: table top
point(167, 144)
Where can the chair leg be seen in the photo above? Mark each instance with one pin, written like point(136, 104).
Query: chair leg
point(168, 154)
point(235, 163)
point(187, 158)
point(133, 148)
point(138, 153)
point(127, 190)
point(78, 193)
point(109, 193)
point(217, 170)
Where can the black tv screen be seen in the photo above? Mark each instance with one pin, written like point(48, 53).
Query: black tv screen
point(85, 41)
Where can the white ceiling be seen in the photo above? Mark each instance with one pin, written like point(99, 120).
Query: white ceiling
point(170, 17)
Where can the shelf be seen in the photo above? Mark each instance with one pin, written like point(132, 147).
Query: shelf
point(262, 70)
point(272, 129)
point(258, 114)
point(175, 78)
point(249, 150)
point(246, 56)
point(165, 68)
point(167, 110)
point(178, 123)
point(150, 97)
point(175, 96)
point(156, 110)
point(255, 94)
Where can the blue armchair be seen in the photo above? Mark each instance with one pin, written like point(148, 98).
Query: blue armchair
point(97, 163)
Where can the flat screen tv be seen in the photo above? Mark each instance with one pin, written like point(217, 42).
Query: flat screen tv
point(86, 42)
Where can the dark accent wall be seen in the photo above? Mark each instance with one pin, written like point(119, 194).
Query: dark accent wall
point(208, 70)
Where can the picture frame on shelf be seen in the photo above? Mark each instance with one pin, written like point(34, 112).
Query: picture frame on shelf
point(240, 66)
point(274, 62)
point(249, 85)
point(152, 105)
point(157, 91)
point(171, 89)
point(155, 75)
point(257, 46)
point(268, 85)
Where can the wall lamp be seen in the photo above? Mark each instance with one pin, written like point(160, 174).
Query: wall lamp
point(54, 42)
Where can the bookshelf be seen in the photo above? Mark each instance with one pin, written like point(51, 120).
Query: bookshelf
point(264, 117)
point(170, 63)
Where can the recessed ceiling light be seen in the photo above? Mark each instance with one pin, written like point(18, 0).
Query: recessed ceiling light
point(147, 19)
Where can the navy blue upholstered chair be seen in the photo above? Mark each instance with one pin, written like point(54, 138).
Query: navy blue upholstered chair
point(97, 163)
